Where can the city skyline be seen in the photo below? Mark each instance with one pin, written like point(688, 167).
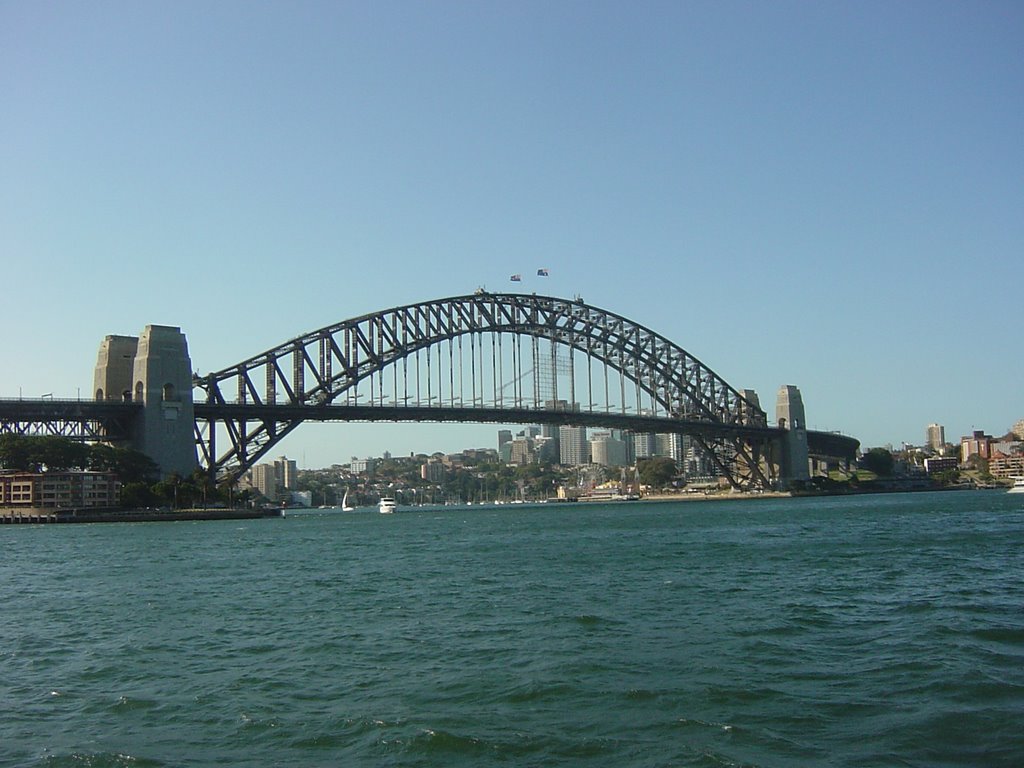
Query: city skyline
point(661, 444)
point(821, 196)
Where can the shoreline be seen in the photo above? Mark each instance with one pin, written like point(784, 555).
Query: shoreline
point(40, 516)
point(740, 495)
point(724, 496)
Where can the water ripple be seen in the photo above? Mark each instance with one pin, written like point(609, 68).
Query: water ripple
point(839, 632)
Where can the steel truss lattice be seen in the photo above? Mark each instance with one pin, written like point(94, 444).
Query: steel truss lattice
point(80, 420)
point(314, 377)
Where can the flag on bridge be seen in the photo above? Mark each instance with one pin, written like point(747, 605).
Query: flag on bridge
point(516, 278)
point(543, 272)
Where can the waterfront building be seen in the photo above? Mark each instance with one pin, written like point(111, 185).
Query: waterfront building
point(935, 464)
point(1018, 429)
point(935, 437)
point(1007, 447)
point(264, 480)
point(286, 472)
point(473, 456)
point(361, 466)
point(976, 444)
point(16, 488)
point(432, 472)
point(1006, 465)
point(59, 490)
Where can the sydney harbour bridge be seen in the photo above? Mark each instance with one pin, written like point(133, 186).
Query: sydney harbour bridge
point(486, 357)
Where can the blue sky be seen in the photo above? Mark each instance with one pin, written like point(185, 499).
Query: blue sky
point(814, 193)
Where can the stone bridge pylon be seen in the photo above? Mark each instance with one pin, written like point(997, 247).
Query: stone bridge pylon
point(153, 369)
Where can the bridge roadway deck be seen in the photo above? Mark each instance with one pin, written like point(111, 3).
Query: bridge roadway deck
point(479, 414)
point(46, 410)
point(82, 420)
point(820, 444)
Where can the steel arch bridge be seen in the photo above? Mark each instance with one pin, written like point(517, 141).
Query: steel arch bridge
point(485, 357)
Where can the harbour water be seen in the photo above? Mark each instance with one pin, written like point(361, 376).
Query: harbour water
point(869, 631)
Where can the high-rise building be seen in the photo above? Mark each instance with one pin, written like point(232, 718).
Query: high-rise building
point(359, 466)
point(264, 480)
point(574, 450)
point(504, 436)
point(432, 472)
point(551, 431)
point(286, 473)
point(521, 451)
point(935, 437)
point(697, 462)
point(645, 445)
point(670, 445)
point(607, 450)
point(546, 450)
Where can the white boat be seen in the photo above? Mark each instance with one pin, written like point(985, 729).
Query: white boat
point(1018, 485)
point(387, 505)
point(344, 503)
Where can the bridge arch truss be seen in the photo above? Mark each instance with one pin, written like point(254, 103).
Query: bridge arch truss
point(481, 357)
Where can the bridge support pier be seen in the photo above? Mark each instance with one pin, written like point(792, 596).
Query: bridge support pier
point(793, 452)
point(153, 369)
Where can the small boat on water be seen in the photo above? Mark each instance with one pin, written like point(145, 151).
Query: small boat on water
point(387, 505)
point(1018, 485)
point(344, 503)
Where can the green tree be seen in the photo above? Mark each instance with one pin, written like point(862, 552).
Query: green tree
point(178, 492)
point(138, 496)
point(59, 453)
point(879, 461)
point(34, 453)
point(15, 452)
point(656, 472)
point(129, 465)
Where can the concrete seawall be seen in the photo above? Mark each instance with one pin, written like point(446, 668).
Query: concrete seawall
point(34, 516)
